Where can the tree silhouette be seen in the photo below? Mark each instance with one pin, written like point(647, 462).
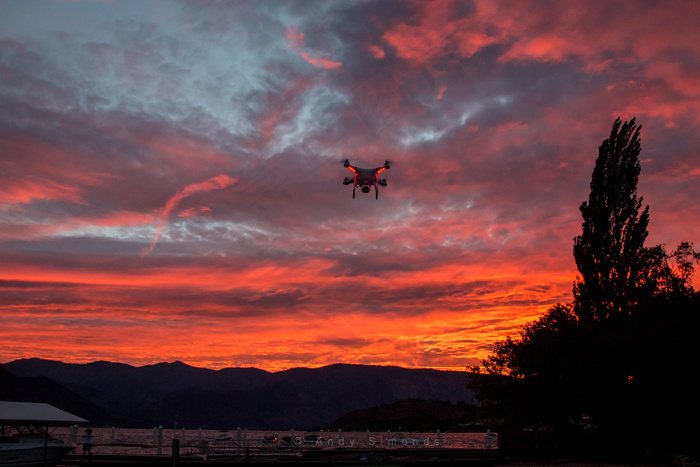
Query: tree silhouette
point(612, 366)
point(608, 253)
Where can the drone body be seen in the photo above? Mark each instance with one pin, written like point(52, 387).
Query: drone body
point(365, 178)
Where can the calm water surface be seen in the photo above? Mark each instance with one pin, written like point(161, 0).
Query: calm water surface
point(132, 441)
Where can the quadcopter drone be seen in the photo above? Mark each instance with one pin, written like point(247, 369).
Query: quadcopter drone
point(365, 178)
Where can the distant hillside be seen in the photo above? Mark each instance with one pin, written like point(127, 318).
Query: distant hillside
point(170, 394)
point(410, 415)
point(43, 389)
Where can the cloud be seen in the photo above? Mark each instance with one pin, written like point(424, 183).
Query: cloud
point(26, 191)
point(376, 51)
point(215, 183)
point(298, 43)
point(436, 31)
point(491, 113)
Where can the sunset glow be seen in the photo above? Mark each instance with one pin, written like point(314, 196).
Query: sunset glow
point(171, 172)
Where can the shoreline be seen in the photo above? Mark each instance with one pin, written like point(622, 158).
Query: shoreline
point(351, 457)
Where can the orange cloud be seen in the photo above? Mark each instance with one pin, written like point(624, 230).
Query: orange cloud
point(209, 313)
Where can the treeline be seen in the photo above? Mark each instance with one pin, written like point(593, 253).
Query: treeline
point(615, 370)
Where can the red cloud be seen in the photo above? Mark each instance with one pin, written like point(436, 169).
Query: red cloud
point(377, 51)
point(545, 48)
point(297, 43)
point(26, 191)
point(436, 33)
point(214, 183)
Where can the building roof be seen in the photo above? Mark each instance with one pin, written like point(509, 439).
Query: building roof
point(35, 412)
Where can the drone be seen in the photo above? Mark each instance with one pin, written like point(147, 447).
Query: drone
point(365, 178)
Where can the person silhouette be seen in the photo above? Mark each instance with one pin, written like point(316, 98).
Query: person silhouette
point(87, 445)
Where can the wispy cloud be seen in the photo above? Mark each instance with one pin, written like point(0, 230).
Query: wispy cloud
point(215, 183)
point(298, 43)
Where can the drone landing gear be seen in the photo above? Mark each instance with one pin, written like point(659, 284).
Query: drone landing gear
point(353, 192)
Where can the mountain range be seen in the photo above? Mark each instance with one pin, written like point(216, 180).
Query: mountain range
point(179, 395)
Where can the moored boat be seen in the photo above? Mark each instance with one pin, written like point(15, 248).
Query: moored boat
point(312, 439)
point(269, 439)
point(223, 437)
point(27, 451)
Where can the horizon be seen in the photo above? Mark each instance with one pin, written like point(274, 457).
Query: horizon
point(171, 173)
point(224, 368)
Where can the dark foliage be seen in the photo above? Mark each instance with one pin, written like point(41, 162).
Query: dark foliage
point(615, 367)
point(607, 252)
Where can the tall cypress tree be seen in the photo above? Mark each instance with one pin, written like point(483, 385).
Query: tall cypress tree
point(609, 251)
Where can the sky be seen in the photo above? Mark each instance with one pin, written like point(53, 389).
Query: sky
point(171, 171)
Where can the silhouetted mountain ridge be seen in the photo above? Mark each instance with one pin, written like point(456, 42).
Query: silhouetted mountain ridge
point(44, 389)
point(170, 394)
point(409, 415)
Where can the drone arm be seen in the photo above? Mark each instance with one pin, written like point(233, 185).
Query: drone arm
point(379, 170)
point(350, 167)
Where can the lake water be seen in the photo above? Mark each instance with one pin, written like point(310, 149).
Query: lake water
point(128, 441)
